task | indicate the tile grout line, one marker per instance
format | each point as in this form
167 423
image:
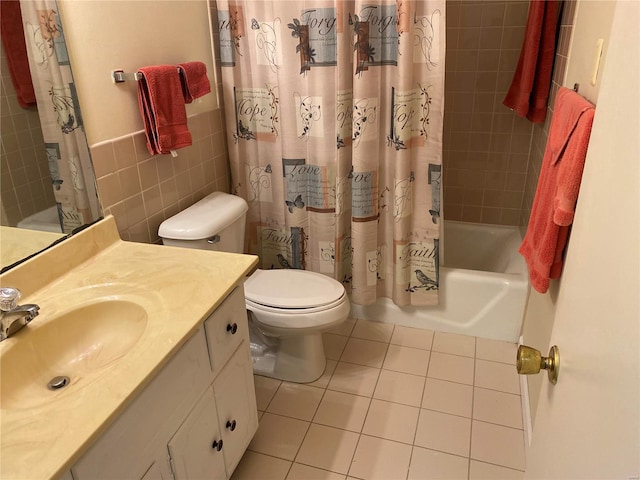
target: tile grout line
473 396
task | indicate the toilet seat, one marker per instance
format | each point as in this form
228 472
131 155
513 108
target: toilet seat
293 289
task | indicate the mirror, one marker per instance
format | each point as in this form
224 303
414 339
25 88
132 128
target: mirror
28 164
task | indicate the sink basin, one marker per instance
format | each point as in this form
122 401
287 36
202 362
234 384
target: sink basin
78 344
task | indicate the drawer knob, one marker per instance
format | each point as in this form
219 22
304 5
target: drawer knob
231 425
232 327
217 444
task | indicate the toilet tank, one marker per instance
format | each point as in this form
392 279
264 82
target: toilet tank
216 222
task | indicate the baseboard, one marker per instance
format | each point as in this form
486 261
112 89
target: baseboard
526 406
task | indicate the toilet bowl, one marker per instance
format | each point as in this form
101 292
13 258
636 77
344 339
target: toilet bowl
287 309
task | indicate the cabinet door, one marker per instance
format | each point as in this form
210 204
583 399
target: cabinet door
236 401
194 455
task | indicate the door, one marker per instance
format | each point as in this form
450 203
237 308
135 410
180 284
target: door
196 448
588 425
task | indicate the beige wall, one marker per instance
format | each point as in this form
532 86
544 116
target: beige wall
541 308
486 146
139 189
107 35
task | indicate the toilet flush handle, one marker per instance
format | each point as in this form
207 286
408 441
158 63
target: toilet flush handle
213 240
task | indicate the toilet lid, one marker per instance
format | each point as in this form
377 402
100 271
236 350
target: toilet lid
293 289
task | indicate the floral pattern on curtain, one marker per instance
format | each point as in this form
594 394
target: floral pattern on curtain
334 114
65 142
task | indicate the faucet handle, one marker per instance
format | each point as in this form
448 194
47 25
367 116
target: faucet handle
9 298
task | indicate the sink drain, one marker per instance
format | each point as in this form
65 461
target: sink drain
56 383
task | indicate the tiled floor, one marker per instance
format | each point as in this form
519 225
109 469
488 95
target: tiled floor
393 403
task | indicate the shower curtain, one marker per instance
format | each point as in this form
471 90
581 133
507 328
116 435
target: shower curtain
65 142
334 115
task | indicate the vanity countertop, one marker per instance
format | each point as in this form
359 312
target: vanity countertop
18 243
177 287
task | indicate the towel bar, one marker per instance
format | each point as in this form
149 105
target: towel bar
119 76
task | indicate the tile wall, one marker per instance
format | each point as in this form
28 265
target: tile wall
141 190
486 146
25 183
541 131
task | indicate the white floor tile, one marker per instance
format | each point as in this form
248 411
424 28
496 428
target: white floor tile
393 403
400 388
345 328
356 379
496 351
342 410
486 471
498 445
377 331
328 448
433 465
305 472
407 360
453 368
379 459
333 345
391 421
497 376
412 337
497 407
279 436
296 400
455 344
265 390
443 432
364 352
256 465
323 381
448 397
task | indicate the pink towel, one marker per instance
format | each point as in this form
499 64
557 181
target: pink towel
195 83
162 109
529 89
558 187
15 49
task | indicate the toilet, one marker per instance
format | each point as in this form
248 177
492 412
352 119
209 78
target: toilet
287 309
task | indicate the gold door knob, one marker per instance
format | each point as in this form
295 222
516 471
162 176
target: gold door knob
529 361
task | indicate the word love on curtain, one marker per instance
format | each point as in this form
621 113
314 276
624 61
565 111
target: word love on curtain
65 142
334 116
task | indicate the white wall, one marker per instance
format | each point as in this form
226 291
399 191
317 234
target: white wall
128 34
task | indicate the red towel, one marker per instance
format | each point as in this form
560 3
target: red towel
529 89
15 49
558 187
162 109
195 83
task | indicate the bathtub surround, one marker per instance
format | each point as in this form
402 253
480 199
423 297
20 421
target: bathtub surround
336 143
25 186
486 146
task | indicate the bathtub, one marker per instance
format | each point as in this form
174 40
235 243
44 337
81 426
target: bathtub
483 286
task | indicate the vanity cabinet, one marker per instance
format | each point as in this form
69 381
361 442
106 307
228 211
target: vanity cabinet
195 418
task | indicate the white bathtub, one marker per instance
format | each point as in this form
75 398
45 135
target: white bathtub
483 286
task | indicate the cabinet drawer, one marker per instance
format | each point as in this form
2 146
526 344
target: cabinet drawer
130 444
226 328
236 402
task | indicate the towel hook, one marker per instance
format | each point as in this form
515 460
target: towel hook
576 86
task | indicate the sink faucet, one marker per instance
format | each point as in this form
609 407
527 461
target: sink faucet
14 316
